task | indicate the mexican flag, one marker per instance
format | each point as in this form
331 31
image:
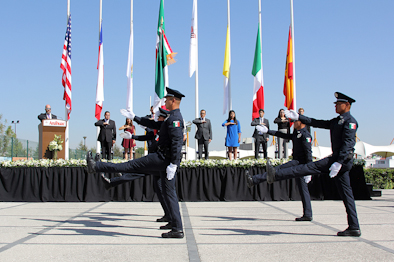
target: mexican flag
257 72
164 57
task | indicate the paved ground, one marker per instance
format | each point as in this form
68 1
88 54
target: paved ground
215 231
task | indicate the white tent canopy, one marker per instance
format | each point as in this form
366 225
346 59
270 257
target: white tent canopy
364 149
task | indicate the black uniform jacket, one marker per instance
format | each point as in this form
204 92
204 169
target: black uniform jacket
302 144
342 131
171 134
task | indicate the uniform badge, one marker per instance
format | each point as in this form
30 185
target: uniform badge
299 135
352 126
340 122
176 124
308 139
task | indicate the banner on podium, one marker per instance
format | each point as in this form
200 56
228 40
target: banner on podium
54 122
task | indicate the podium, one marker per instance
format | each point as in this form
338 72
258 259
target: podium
47 131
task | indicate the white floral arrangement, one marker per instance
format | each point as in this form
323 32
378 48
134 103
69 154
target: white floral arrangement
210 163
220 163
56 143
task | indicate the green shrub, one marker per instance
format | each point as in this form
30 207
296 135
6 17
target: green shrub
380 178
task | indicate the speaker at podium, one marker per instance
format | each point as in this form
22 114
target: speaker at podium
47 131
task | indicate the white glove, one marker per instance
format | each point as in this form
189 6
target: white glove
127 113
292 114
307 179
262 129
171 169
126 135
334 169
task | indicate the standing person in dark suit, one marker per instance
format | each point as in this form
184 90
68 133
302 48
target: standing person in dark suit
164 162
343 138
47 114
107 135
203 133
301 111
302 154
260 138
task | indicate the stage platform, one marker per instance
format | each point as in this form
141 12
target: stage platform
74 184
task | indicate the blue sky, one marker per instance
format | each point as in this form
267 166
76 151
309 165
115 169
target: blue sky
341 46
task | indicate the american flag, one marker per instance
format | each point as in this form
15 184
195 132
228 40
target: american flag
65 65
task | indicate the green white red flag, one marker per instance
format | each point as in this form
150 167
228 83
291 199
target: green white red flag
164 57
257 72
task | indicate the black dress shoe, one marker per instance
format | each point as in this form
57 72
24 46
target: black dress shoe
249 179
168 226
106 181
350 233
163 219
118 174
173 234
304 218
270 173
90 163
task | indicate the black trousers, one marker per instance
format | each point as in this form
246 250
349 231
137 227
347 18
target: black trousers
106 150
154 164
257 141
305 196
125 178
342 181
203 143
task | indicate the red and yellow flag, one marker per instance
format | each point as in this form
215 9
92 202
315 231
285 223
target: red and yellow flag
288 88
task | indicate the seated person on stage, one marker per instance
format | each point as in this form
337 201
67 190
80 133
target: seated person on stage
343 139
47 114
302 154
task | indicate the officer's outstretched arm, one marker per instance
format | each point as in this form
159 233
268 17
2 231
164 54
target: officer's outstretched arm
148 122
279 134
325 124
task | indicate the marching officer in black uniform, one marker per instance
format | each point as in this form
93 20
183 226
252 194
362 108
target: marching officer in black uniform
152 140
343 138
167 158
302 154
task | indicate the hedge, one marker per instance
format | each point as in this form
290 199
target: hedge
380 178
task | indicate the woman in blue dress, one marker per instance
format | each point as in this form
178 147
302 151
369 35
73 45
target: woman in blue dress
233 137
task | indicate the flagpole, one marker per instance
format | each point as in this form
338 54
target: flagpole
229 71
98 128
294 64
196 74
66 138
132 39
261 41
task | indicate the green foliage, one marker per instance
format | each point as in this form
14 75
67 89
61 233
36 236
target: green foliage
139 152
118 153
82 147
380 178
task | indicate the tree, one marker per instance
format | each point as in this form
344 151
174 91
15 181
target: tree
139 152
82 147
117 151
6 142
